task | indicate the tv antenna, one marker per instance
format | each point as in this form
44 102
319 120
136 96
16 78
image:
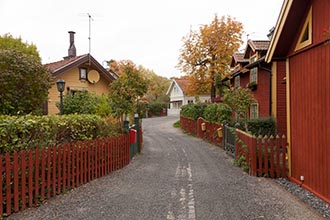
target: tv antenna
90 19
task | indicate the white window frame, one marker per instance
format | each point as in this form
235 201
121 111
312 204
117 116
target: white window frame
254 75
237 81
82 73
254 111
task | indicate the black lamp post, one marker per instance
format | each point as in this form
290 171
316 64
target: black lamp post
60 87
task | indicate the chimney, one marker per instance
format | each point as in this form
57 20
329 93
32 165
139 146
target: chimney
72 48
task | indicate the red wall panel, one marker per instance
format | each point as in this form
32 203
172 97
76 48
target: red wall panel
281 99
310 118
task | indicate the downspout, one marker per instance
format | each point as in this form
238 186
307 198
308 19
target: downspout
270 87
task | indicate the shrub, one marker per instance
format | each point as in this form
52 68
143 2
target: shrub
188 111
193 111
177 124
262 126
155 108
80 102
28 132
199 110
217 113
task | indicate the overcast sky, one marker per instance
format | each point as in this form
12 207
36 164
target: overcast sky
148 32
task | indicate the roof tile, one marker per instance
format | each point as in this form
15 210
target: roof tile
59 64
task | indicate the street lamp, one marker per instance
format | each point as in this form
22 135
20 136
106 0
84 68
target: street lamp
60 87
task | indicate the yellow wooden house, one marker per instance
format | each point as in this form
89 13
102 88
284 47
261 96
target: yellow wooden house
79 73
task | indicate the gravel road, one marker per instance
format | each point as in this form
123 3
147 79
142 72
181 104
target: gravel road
176 177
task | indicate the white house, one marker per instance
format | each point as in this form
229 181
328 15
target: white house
177 92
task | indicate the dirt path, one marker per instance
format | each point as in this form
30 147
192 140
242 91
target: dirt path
176 177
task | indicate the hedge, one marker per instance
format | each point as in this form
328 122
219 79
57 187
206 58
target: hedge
193 111
262 126
27 132
217 113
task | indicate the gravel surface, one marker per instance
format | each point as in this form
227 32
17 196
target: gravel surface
306 196
177 177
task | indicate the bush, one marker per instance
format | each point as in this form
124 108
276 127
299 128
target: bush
177 124
28 132
217 113
156 108
80 102
187 111
199 110
193 111
262 126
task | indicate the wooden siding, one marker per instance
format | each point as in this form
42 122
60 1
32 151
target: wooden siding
261 94
321 19
310 107
280 98
71 79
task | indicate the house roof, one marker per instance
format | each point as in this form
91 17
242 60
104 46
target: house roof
55 66
183 84
292 12
238 58
256 45
59 67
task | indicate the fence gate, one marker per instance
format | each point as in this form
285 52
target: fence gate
229 140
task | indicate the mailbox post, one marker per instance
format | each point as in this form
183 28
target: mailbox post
137 128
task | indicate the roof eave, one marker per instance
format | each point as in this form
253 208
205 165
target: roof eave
278 29
80 61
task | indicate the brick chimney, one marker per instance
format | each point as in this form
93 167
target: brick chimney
72 49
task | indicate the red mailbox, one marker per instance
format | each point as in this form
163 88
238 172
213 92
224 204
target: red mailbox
132 136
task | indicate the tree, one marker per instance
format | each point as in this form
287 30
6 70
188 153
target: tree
124 91
157 86
10 43
24 81
206 53
84 102
239 100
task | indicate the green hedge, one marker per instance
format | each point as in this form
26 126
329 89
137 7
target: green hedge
156 108
217 113
262 126
29 131
193 111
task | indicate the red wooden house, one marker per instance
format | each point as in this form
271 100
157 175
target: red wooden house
250 70
299 50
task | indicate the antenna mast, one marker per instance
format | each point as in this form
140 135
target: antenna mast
89 34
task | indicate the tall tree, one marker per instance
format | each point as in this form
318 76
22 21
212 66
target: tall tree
206 53
157 86
125 91
24 81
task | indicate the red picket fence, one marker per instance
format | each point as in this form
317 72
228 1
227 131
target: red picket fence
189 125
266 156
29 177
211 131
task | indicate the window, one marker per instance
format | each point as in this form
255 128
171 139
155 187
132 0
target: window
83 74
254 71
190 101
254 75
175 89
253 58
305 37
237 82
254 111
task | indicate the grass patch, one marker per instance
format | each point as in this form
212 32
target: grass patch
177 124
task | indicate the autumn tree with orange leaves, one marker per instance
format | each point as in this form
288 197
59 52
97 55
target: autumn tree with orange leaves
206 53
